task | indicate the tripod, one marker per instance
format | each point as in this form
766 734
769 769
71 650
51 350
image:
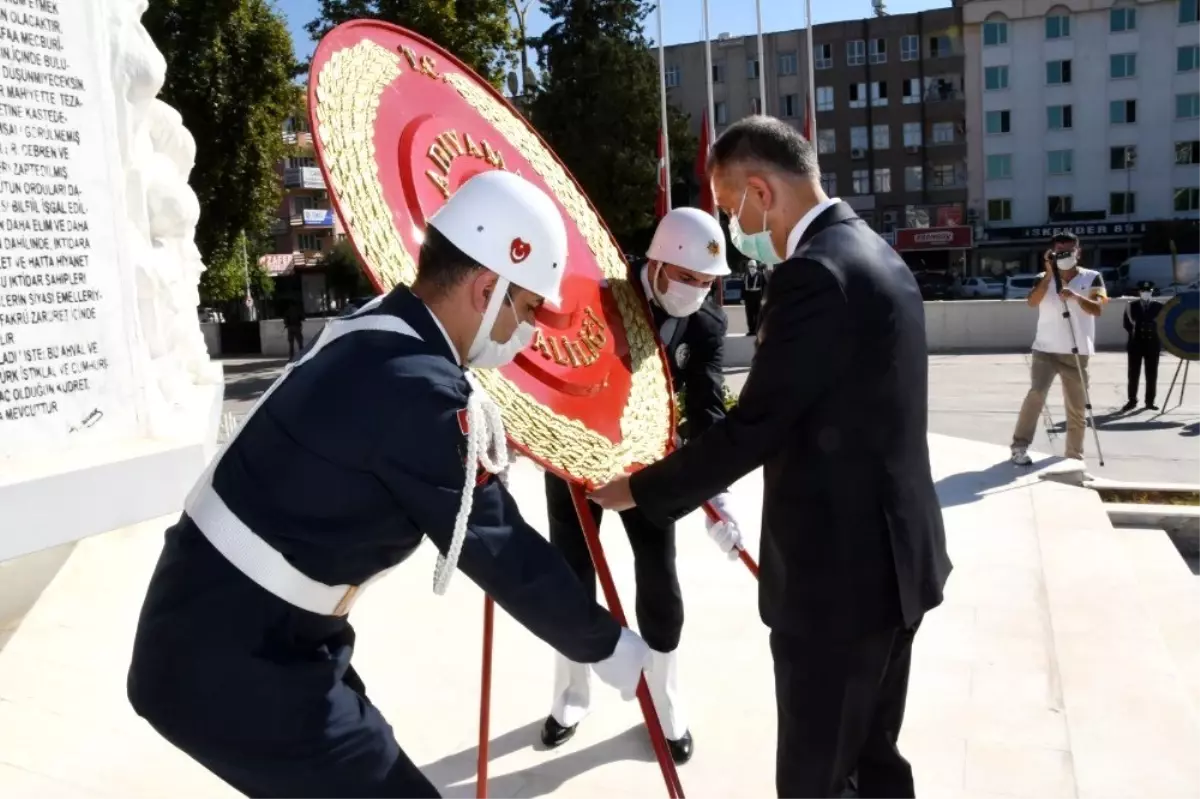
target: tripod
1087 397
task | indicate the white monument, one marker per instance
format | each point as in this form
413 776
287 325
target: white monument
109 404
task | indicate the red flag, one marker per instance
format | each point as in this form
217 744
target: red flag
808 120
707 203
660 203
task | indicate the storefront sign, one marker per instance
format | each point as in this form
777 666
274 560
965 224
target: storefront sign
318 216
949 215
1080 229
275 264
934 238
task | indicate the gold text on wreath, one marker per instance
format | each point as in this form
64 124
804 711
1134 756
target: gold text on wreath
449 145
583 351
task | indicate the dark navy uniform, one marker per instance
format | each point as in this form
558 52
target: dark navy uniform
695 347
752 294
342 470
1142 346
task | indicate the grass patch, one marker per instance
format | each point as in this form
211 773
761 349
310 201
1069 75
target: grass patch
1127 496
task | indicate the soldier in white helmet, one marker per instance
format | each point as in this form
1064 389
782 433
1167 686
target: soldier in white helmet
686 257
377 437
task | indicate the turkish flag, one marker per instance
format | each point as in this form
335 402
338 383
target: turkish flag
707 203
660 202
808 120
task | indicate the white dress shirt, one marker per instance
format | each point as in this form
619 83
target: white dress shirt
793 239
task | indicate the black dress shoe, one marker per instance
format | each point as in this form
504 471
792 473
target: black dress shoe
681 750
1150 406
555 734
1129 406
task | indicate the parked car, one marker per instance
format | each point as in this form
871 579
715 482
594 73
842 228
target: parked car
1018 287
980 288
211 316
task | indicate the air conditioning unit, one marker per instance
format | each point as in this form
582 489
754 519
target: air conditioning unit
857 153
912 148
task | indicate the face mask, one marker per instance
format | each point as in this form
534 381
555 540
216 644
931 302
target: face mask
679 299
1067 263
488 354
1145 296
756 246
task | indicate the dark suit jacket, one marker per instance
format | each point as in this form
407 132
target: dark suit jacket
834 409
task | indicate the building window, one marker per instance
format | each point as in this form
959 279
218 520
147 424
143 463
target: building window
945 176
787 61
1058 26
309 242
942 133
1122 112
672 77
718 70
910 91
995 78
858 138
856 52
752 68
997 122
829 183
1058 117
940 47
788 104
858 95
861 181
883 181
1058 72
995 33
1122 65
299 162
1059 204
914 178
1121 203
1122 158
1187 152
1060 162
1187 199
1187 58
823 58
1187 11
720 113
756 105
910 48
912 134
999 210
878 51
879 94
826 141
1122 19
881 137
1187 106
999 167
824 98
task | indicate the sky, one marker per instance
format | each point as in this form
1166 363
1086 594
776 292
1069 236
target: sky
682 19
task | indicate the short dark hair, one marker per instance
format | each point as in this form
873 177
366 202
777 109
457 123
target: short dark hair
441 265
767 141
1065 237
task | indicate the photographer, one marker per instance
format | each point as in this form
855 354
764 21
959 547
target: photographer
1064 288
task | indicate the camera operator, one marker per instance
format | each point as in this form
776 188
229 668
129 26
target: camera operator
1064 286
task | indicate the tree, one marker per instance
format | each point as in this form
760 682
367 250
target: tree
223 283
229 68
598 107
477 32
343 274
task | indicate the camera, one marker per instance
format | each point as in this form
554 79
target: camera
1061 255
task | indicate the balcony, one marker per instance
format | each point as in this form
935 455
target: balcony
306 258
313 218
301 139
303 177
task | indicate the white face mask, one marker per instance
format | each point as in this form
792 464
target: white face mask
1145 296
679 299
488 354
1067 263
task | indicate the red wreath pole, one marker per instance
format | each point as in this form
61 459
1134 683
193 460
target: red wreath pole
743 554
657 739
485 698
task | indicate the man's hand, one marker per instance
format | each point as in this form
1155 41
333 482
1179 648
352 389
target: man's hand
1069 294
614 496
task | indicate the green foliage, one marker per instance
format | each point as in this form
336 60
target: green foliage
343 274
223 282
229 74
598 108
731 400
477 32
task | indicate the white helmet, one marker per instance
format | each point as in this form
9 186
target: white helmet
509 226
692 239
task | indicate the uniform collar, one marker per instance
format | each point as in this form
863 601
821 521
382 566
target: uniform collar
445 335
793 240
403 303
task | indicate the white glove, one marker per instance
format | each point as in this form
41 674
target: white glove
623 668
725 532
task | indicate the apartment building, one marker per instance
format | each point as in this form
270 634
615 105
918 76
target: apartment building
1081 115
890 116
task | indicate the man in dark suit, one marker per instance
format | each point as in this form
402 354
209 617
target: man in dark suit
752 292
1143 345
834 409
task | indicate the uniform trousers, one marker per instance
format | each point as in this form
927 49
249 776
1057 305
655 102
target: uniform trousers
659 604
1137 356
840 704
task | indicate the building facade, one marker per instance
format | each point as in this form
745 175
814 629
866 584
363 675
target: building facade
1081 115
890 116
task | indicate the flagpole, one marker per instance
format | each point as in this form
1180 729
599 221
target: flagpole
708 81
662 91
762 62
812 60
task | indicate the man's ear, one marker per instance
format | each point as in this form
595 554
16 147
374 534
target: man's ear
482 286
761 189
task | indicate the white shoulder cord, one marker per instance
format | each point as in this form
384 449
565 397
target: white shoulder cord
486 446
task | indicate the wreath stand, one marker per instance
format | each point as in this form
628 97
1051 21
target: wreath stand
591 536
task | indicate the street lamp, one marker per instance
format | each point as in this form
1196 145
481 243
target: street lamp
1130 161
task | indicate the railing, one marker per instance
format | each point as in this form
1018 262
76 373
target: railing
299 138
303 177
307 258
313 217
